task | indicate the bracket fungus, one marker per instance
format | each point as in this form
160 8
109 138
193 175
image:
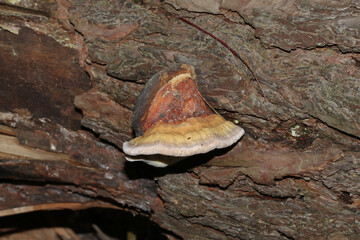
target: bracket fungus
173 121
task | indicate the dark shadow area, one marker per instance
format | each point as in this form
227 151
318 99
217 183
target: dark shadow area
94 223
96 135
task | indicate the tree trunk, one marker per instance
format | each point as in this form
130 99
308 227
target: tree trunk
70 74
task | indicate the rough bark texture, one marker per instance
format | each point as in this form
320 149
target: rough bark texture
70 74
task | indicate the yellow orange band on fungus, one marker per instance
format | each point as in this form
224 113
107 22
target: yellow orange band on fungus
193 136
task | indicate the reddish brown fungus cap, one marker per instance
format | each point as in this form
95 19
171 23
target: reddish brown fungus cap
172 119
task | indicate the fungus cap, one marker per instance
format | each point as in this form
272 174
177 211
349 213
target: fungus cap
171 118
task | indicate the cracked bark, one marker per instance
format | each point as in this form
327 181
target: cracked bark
72 71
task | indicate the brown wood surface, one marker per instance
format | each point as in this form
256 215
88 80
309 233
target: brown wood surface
70 74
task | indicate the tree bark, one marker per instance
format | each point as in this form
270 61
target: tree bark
70 74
